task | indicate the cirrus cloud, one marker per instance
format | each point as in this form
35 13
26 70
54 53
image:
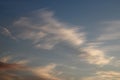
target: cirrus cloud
47 32
44 31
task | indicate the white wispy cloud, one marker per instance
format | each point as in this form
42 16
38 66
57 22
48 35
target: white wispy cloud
46 71
110 32
104 75
96 56
47 32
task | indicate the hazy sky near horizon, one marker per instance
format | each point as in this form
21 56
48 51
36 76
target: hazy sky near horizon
60 39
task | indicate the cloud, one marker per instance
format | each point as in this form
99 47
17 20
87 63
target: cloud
5 64
8 66
94 55
5 59
23 62
115 63
46 32
67 66
97 55
8 59
46 71
6 32
111 32
21 71
104 75
9 71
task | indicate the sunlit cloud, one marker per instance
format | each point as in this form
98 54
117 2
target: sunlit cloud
46 71
104 75
9 66
5 59
23 62
96 56
45 32
109 33
5 64
73 41
10 71
48 32
99 55
8 59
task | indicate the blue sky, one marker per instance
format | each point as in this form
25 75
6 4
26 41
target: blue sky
60 40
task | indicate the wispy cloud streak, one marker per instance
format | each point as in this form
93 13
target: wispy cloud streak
96 56
47 32
6 32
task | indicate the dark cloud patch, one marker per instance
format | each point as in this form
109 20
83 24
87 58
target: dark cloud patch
11 71
8 66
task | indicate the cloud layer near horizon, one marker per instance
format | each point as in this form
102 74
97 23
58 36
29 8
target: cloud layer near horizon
9 71
104 75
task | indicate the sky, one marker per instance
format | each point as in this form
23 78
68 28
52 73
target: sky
59 39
